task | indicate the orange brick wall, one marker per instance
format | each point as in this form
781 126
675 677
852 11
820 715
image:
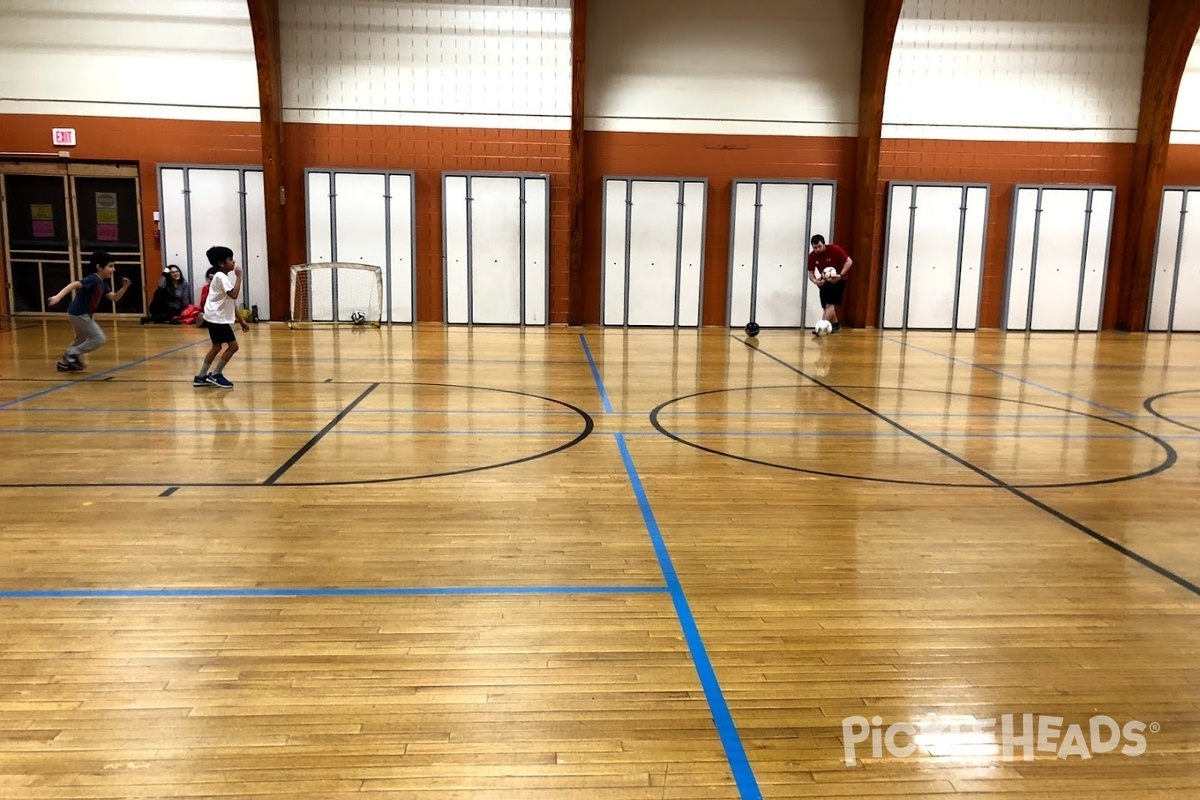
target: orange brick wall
720 159
1004 164
145 142
428 152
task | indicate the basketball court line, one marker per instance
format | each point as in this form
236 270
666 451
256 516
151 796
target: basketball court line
1059 392
998 482
68 383
366 591
519 433
311 443
735 753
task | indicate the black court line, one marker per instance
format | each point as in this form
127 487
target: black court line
311 443
1074 523
170 491
1151 401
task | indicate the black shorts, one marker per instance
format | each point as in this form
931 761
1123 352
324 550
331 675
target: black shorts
221 333
831 293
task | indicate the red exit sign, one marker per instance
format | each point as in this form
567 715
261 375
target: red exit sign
63 137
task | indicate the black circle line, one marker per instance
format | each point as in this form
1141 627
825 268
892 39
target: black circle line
588 426
1149 406
1178 580
1166 463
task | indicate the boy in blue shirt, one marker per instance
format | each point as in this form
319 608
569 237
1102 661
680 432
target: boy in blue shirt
88 335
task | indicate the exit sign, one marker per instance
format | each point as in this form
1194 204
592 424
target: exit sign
63 137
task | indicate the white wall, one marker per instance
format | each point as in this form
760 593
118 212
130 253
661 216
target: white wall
166 59
1017 70
482 63
1185 128
788 67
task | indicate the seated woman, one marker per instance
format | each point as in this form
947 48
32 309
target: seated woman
170 298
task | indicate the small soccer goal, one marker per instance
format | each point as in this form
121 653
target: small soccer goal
336 292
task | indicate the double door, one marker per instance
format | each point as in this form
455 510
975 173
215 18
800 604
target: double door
57 215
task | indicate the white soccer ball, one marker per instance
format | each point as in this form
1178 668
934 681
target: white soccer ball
823 328
358 318
831 272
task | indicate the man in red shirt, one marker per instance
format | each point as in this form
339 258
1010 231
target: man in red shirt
822 258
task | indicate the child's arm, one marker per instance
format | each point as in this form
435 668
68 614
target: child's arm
66 290
237 283
119 293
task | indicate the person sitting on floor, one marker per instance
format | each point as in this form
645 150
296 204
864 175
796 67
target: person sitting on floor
170 298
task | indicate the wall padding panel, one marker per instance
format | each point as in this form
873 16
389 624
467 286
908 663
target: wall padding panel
1175 292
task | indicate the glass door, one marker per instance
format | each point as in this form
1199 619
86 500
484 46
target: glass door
55 217
39 253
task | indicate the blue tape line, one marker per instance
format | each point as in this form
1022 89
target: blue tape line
1011 377
84 594
608 409
743 775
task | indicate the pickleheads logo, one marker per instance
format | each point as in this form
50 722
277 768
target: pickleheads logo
1007 737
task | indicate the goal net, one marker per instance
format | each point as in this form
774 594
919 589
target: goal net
336 292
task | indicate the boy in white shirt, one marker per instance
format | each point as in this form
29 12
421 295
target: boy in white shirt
220 312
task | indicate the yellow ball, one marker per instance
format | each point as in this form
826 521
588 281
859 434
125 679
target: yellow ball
245 314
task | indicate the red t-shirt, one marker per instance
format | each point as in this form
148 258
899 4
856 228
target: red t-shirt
831 256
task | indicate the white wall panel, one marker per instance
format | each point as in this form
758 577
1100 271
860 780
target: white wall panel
615 253
900 213
789 212
254 258
653 251
974 242
170 59
173 224
1021 257
360 234
1017 70
215 206
934 255
1175 293
1060 245
653 244
786 67
496 250
691 254
503 219
454 248
1095 263
743 255
400 283
537 252
320 243
934 265
427 62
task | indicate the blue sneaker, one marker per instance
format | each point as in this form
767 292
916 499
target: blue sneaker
200 380
220 380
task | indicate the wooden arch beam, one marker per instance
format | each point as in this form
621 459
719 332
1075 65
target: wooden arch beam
1170 33
575 193
880 18
264 25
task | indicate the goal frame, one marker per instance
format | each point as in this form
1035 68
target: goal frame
332 267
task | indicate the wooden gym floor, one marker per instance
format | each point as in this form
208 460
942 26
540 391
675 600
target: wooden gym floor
446 563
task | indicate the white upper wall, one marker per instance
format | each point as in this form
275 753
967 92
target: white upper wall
713 66
1186 126
481 63
1017 70
166 59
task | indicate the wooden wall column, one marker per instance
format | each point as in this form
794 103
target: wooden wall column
1171 32
575 315
880 18
264 23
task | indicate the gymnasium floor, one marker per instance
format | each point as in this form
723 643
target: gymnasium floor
447 563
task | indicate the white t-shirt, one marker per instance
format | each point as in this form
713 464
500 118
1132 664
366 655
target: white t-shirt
220 308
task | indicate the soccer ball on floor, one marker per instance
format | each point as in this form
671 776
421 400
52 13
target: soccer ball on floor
358 318
823 328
